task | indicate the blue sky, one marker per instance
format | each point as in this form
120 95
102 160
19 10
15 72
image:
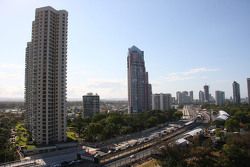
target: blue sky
186 44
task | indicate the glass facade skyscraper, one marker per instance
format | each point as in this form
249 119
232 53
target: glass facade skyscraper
139 89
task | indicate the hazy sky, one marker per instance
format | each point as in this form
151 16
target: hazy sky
186 44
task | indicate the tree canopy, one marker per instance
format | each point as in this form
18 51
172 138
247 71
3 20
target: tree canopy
105 126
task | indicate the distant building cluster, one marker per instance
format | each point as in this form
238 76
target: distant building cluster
184 97
140 97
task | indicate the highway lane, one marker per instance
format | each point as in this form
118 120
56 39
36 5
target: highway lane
147 152
189 111
121 153
144 153
111 159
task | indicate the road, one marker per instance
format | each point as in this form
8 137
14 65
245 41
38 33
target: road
142 154
189 112
116 157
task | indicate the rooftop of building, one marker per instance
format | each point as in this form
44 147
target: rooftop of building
51 9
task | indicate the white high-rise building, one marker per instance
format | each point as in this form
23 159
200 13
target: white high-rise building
220 98
156 102
161 101
201 97
45 76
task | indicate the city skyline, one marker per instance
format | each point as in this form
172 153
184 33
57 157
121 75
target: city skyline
215 38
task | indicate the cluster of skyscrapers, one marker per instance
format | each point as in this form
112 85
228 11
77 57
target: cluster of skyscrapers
45 81
140 96
205 97
184 97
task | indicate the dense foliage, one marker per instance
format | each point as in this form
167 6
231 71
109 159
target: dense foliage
239 116
7 150
235 152
232 149
106 126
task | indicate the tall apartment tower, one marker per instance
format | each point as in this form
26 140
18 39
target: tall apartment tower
191 95
236 93
156 102
28 87
206 94
179 98
219 98
45 76
161 101
201 97
248 88
91 105
139 90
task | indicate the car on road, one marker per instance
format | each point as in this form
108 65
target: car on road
132 156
